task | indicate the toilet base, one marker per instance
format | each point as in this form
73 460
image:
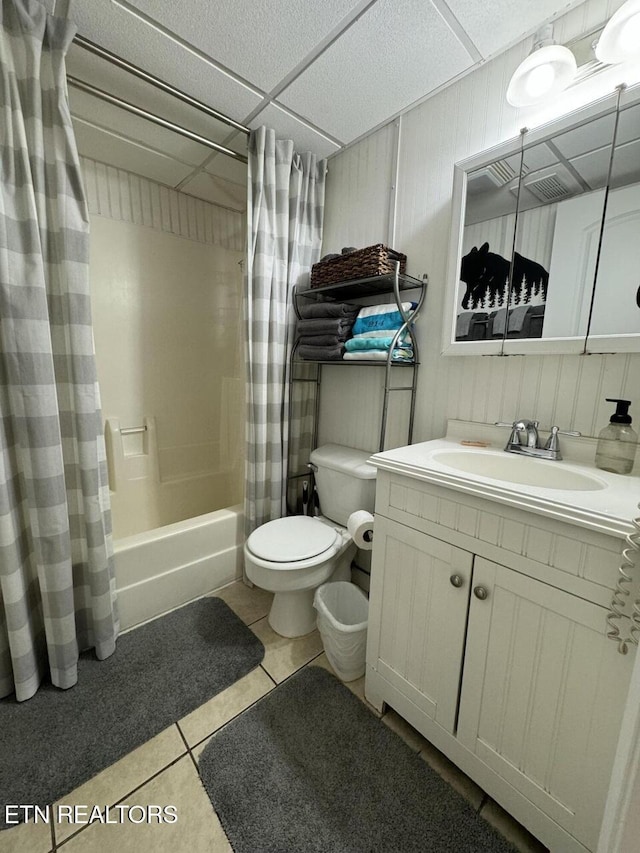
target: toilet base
292 614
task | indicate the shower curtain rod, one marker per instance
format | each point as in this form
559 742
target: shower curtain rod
135 70
163 122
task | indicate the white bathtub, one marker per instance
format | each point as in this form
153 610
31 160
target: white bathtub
166 567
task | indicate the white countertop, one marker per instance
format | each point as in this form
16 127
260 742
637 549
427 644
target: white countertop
608 509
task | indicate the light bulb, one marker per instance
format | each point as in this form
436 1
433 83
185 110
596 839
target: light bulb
620 39
630 35
539 80
546 71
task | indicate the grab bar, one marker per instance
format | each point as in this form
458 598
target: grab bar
132 430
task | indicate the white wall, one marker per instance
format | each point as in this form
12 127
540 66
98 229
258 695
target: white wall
166 294
467 117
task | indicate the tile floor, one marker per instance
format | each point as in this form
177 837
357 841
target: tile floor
164 770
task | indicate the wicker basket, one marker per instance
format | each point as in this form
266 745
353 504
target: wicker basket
374 260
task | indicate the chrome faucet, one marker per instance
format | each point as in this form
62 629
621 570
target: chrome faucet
531 444
530 428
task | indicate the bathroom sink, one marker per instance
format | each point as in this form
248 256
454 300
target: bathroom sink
518 470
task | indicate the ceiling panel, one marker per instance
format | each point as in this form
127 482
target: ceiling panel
287 126
216 190
393 55
238 142
593 167
113 119
228 168
104 75
261 41
628 125
494 25
354 73
108 148
626 164
111 27
589 137
538 157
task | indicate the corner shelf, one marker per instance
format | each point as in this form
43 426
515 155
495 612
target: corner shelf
360 288
355 290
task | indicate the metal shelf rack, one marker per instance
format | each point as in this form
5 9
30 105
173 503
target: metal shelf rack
354 291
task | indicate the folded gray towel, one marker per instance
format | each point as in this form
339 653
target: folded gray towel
516 318
327 309
329 326
463 321
333 353
324 340
499 321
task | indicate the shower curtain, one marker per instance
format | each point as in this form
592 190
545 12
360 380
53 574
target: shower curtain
284 223
57 587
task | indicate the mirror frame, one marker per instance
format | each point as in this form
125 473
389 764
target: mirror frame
523 346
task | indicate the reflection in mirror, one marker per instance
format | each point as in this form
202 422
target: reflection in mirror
616 304
487 245
560 210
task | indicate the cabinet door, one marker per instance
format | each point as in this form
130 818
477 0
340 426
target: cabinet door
418 617
543 694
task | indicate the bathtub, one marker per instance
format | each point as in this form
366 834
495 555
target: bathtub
166 567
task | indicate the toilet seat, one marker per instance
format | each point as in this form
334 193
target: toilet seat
293 539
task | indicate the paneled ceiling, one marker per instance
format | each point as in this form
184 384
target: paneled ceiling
322 73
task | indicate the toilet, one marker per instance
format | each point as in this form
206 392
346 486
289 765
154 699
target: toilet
293 556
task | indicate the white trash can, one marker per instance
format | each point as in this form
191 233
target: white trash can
343 612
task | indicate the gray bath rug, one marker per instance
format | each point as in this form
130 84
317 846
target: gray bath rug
310 768
159 672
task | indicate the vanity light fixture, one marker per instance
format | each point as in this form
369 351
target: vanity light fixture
547 70
620 39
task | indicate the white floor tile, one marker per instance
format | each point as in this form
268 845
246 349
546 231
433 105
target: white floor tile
224 706
283 656
249 603
116 781
26 838
197 829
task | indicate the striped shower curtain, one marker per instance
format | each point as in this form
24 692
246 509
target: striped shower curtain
57 589
285 213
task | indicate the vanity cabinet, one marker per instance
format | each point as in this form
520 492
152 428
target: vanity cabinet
487 632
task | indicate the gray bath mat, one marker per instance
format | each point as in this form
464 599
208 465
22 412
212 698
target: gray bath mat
159 672
310 768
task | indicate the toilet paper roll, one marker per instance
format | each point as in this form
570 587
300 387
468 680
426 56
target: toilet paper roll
360 526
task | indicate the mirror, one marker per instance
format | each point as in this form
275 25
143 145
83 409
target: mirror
616 303
560 208
487 243
544 202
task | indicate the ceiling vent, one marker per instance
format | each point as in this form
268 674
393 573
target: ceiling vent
549 188
497 174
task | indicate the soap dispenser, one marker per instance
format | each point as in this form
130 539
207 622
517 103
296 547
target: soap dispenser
617 442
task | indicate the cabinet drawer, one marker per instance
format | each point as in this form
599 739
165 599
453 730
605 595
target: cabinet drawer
543 694
579 561
418 617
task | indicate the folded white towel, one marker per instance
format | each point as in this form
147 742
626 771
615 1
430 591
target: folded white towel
379 355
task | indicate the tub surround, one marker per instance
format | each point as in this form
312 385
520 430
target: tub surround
173 278
164 568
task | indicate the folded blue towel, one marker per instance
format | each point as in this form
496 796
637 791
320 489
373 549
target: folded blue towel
365 343
377 317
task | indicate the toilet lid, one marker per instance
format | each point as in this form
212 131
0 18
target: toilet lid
287 540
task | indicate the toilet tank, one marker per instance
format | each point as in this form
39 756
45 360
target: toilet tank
345 481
